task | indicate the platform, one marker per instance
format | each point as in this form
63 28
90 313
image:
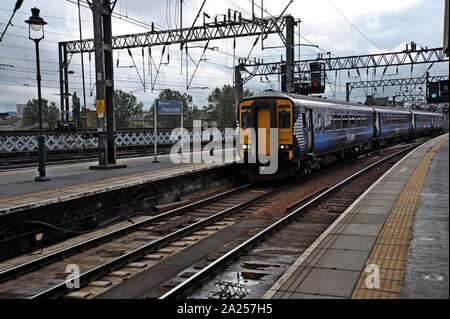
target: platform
391 243
19 191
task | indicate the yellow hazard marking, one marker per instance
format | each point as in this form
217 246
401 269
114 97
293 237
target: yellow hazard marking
100 106
391 248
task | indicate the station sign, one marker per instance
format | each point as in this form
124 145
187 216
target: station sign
169 107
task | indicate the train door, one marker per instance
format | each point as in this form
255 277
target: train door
377 125
308 127
263 117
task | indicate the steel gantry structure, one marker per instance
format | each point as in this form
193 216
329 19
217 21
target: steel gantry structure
103 44
357 62
391 82
369 61
231 27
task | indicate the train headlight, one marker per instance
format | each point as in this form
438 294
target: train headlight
245 147
282 147
285 147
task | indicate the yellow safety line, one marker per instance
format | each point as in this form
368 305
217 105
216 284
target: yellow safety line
391 248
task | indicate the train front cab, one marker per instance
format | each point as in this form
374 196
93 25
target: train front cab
259 115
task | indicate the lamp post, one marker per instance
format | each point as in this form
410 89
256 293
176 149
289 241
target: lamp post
36 33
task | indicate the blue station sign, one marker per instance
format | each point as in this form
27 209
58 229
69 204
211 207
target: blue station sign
169 107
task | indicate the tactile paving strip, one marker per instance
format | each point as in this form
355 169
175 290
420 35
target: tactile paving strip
391 247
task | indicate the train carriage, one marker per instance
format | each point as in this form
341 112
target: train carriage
392 124
422 122
309 130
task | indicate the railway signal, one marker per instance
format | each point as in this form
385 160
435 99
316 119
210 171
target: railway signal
437 92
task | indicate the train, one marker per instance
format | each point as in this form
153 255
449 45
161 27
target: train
303 133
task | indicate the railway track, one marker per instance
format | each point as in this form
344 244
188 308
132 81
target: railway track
107 260
235 274
109 252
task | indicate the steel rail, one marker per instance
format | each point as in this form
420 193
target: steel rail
69 251
239 250
61 289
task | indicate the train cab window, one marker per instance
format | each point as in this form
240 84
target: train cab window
284 119
246 120
327 123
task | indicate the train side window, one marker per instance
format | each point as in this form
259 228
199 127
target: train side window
337 122
352 121
319 122
246 120
284 119
345 121
327 123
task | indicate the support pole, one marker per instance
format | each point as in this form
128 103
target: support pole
347 92
104 70
109 83
82 71
155 132
238 89
290 53
61 81
66 85
41 137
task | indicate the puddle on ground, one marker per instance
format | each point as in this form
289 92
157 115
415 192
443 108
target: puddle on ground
247 279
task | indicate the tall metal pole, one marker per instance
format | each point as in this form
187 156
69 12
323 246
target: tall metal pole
155 132
97 8
238 89
82 68
109 82
66 86
181 35
104 70
61 80
41 138
290 53
347 92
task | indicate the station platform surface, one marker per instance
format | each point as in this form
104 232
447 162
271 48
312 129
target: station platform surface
391 243
19 191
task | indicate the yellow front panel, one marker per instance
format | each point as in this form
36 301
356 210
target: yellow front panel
264 123
285 134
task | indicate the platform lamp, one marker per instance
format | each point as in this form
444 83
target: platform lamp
36 33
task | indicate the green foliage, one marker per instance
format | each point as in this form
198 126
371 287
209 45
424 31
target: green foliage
50 113
221 105
126 107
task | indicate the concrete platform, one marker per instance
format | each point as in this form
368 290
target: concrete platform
19 191
391 243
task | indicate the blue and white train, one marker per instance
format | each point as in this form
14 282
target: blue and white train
313 130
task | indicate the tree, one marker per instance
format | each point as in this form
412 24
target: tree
76 111
221 105
125 107
50 113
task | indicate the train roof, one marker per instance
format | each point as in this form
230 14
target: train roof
334 103
426 113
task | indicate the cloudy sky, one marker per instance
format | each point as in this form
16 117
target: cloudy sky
343 27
